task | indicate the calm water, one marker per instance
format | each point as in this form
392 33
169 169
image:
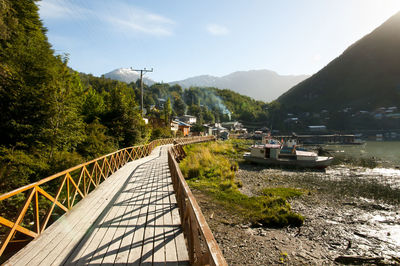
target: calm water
386 152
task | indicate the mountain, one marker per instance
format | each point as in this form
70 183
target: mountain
127 75
366 76
263 85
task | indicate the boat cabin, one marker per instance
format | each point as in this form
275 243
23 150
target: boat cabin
275 151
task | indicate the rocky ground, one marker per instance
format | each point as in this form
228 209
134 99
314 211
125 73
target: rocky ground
336 227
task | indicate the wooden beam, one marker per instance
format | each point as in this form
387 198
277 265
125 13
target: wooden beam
21 215
55 201
48 196
19 228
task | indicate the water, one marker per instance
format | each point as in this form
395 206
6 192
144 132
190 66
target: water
386 152
383 225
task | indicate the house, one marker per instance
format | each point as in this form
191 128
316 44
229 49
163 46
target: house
232 126
189 119
208 130
217 129
174 126
184 128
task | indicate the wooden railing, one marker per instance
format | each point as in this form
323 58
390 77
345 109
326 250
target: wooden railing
202 246
44 201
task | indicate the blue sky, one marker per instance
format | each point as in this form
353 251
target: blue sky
184 38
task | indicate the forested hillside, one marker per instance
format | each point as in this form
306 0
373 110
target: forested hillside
50 118
366 76
53 117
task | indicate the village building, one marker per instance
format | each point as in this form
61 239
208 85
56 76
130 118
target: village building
232 126
174 127
189 119
184 128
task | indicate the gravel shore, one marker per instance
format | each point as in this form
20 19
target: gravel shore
335 225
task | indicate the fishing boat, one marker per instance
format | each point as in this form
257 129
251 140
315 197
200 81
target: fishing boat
277 154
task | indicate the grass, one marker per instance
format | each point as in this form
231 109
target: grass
285 193
210 167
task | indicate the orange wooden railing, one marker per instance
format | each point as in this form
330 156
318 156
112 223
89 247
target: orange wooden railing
46 200
202 246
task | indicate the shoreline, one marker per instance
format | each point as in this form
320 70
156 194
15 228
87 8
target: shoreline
335 225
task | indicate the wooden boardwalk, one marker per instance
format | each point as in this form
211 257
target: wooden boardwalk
131 218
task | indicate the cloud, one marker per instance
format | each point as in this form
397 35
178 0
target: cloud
60 10
217 30
115 16
137 20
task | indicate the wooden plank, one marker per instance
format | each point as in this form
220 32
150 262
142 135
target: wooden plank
55 229
132 166
75 226
171 257
92 246
135 252
148 238
124 219
107 231
81 248
131 227
159 241
58 261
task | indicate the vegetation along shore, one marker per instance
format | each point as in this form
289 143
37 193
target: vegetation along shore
348 213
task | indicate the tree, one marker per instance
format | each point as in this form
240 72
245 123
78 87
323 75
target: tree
197 128
122 117
179 105
167 111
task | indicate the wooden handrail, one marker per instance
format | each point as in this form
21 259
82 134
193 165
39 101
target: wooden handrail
202 246
77 181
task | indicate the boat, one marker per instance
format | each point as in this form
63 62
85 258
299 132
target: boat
329 139
276 154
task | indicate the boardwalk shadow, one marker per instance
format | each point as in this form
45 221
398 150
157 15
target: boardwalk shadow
141 202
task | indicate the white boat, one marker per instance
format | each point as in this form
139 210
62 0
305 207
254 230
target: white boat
276 154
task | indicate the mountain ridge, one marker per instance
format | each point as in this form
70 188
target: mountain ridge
365 76
262 84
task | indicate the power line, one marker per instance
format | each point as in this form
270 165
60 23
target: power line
141 82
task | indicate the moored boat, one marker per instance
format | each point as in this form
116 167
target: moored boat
278 155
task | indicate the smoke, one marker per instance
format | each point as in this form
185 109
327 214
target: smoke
222 107
213 101
203 97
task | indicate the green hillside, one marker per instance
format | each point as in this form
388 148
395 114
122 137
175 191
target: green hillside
366 76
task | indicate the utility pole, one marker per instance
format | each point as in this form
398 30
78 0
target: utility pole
141 83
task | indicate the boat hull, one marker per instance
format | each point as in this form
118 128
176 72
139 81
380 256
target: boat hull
320 163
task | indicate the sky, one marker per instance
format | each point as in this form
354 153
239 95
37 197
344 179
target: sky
185 38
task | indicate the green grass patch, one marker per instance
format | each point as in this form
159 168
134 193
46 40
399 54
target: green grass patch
283 192
210 167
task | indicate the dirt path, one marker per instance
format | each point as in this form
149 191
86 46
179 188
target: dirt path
334 225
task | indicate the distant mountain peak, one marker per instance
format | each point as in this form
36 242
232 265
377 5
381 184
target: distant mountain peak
127 75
